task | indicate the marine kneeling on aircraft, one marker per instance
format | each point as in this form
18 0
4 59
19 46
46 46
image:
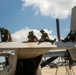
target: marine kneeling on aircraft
5 35
71 37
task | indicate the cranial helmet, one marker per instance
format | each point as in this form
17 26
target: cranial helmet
41 30
72 32
1 29
31 33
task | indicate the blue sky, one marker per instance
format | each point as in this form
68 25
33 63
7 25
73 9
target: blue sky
16 15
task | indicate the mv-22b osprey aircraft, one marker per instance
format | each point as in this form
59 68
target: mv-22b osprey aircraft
27 56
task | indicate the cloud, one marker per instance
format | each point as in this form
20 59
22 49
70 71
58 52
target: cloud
22 34
53 8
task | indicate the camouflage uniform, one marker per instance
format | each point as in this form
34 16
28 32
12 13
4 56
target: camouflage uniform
71 37
45 37
5 35
32 37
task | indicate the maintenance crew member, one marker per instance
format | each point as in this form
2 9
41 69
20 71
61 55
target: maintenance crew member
32 37
45 37
5 35
71 37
